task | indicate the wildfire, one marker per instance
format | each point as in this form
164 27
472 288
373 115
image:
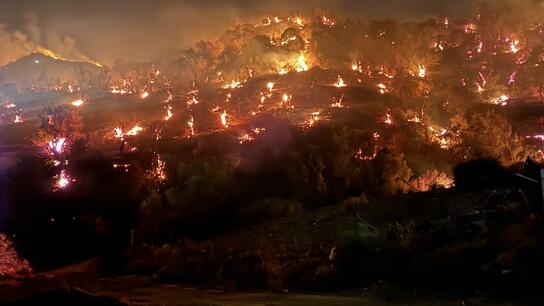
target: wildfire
270 86
502 100
63 180
224 117
134 130
337 103
382 88
361 155
120 134
314 118
301 65
78 102
159 170
357 67
250 136
144 95
191 125
514 46
328 21
388 118
285 100
124 167
168 114
232 85
57 145
18 119
283 71
339 82
422 71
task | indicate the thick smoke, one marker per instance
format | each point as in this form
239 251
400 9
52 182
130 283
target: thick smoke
142 30
139 30
32 38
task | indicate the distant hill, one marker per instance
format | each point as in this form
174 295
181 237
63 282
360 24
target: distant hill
39 72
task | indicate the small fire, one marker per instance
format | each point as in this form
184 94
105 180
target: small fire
159 170
124 167
382 88
502 100
337 103
78 102
144 95
57 145
135 130
232 85
63 180
388 118
224 117
18 119
314 118
270 86
298 21
328 21
360 154
250 136
285 100
191 125
168 114
118 133
514 46
301 65
422 71
340 82
357 67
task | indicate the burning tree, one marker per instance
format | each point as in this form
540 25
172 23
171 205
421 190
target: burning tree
61 132
10 263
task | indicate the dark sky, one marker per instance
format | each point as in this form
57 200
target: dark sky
137 29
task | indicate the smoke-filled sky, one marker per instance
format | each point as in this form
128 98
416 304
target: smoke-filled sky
136 30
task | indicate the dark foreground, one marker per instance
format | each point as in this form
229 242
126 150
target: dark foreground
79 289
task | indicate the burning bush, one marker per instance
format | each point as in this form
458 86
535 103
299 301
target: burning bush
11 264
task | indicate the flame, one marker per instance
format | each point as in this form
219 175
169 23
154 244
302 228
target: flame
18 119
224 117
360 154
270 86
168 114
337 103
382 88
357 67
283 71
340 82
159 170
501 100
191 125
514 46
63 180
57 145
134 130
301 65
232 85
250 136
144 95
78 102
422 71
388 118
328 21
314 118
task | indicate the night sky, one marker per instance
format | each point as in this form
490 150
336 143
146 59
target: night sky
136 30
